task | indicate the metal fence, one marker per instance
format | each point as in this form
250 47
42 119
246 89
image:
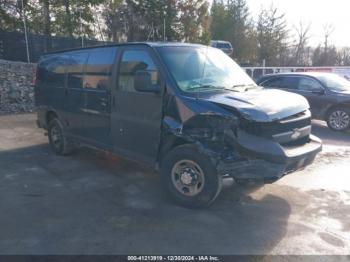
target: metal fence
13 45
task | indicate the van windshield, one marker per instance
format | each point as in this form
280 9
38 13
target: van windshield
201 69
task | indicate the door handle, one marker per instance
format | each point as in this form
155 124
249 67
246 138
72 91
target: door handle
103 101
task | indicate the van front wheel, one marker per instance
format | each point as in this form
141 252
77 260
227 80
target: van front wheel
190 177
57 139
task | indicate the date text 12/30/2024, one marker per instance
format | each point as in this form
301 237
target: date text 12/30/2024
173 258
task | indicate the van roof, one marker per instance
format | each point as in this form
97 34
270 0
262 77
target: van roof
151 44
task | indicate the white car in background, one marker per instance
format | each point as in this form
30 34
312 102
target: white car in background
225 46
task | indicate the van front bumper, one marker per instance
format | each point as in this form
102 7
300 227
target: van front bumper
266 160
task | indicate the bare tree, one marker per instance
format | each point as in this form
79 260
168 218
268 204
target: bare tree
303 36
327 54
328 30
328 51
343 57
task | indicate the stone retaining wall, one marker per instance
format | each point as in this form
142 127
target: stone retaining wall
16 87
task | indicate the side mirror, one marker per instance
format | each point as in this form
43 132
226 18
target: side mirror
143 82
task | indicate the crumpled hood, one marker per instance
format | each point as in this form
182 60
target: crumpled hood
262 105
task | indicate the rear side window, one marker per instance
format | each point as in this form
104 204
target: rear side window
134 61
75 69
309 85
223 45
282 82
98 70
290 82
274 82
51 71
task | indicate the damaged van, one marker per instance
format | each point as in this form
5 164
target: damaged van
188 110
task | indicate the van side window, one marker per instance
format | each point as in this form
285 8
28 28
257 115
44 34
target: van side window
132 62
51 71
75 69
98 70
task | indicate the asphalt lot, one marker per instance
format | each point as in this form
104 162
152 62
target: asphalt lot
95 203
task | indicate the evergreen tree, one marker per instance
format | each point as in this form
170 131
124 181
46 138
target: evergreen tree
74 18
218 14
10 15
132 20
194 17
272 36
230 21
238 27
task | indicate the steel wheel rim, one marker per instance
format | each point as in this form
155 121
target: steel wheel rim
187 177
339 120
56 136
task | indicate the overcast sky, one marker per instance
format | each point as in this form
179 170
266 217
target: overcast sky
316 12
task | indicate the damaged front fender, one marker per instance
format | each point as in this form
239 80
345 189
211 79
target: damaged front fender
213 135
191 121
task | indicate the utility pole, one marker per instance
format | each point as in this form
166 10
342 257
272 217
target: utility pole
164 38
264 65
25 31
164 29
81 26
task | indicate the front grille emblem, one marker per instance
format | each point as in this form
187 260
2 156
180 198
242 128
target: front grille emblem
296 133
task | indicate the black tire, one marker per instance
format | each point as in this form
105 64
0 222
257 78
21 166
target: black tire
343 122
208 188
57 139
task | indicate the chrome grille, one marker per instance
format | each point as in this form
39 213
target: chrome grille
283 131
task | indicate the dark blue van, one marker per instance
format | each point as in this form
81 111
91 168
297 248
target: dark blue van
186 109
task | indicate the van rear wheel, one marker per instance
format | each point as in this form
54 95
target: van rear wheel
190 177
57 139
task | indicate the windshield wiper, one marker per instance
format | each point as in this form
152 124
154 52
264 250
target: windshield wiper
246 87
205 87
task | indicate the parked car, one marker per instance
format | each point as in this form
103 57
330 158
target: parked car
186 109
225 46
328 94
